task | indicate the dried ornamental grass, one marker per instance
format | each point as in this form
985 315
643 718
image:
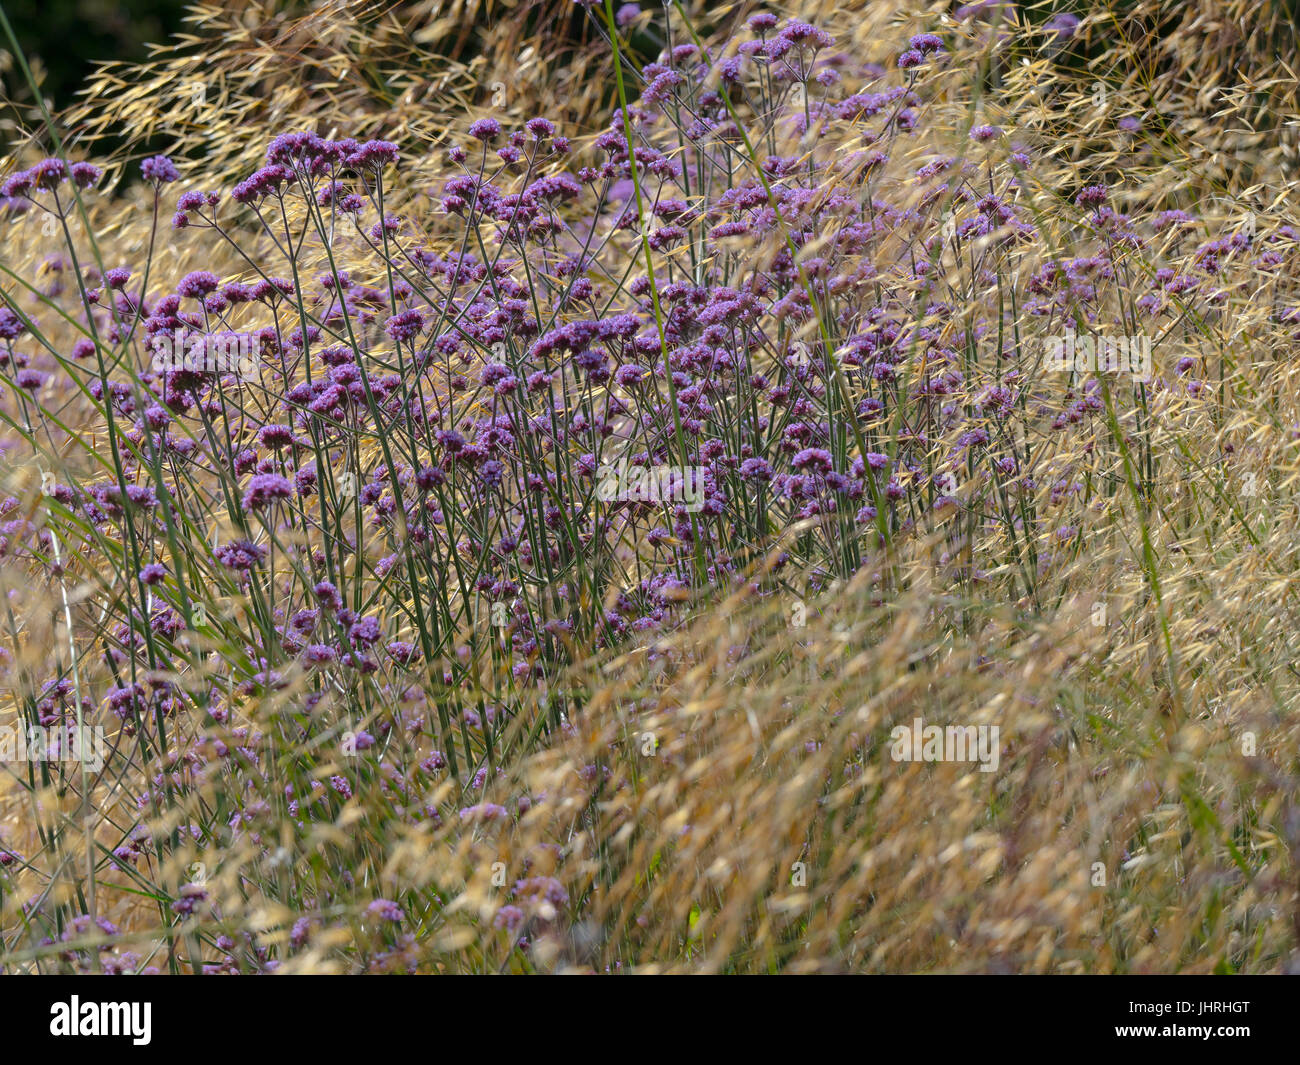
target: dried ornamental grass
561 547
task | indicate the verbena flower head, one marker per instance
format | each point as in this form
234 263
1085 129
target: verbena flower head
86 175
486 130
265 489
49 173
159 170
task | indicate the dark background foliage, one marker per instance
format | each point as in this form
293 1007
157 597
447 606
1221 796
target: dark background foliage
63 38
